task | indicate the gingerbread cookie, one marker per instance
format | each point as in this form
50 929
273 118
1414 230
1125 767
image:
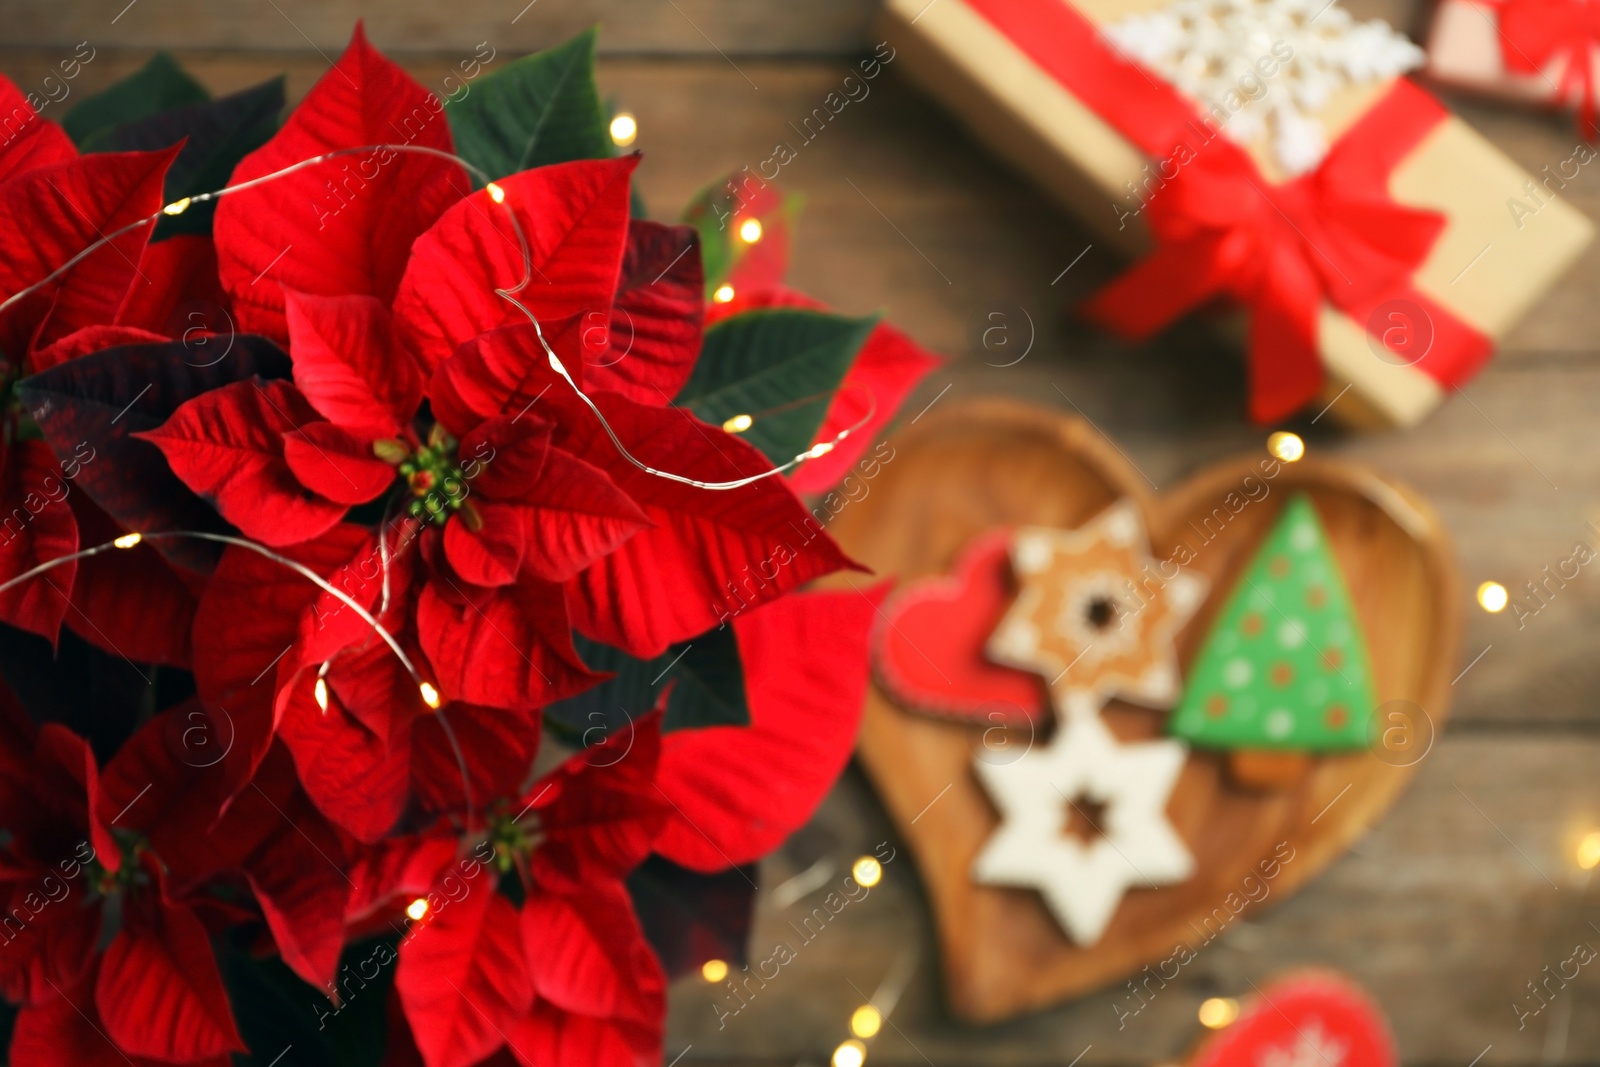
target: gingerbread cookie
1094 614
1083 819
1285 669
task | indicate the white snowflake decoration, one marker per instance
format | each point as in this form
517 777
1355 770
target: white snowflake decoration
1312 1047
1209 49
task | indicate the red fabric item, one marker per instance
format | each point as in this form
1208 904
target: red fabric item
1534 34
1223 228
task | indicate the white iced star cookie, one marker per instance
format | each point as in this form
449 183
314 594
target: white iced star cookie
1095 614
1133 843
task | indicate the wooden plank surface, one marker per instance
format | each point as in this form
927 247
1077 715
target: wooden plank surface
662 27
1444 911
1455 901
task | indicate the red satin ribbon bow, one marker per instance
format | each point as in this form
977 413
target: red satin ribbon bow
1224 229
1333 234
1537 33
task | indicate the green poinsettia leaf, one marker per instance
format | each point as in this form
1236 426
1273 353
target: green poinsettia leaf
709 213
709 686
544 108
1286 665
155 87
706 676
272 1010
216 135
782 367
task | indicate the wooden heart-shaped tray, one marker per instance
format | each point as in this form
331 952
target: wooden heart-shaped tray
975 468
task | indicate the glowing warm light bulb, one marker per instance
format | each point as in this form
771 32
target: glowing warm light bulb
624 128
497 194
128 540
866 1021
1492 597
723 294
1218 1012
430 696
177 207
321 693
714 970
850 1054
1286 446
821 449
867 871
1589 850
417 909
738 424
750 231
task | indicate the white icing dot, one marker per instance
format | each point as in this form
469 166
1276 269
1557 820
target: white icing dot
1032 553
1291 633
1122 526
1236 673
1184 593
1279 724
1303 537
1160 682
1017 640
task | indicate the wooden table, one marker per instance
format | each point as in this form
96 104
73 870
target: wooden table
1453 903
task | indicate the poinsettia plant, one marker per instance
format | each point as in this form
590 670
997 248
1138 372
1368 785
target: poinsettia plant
400 636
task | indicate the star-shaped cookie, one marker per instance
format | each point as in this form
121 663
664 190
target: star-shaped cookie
1095 614
1132 844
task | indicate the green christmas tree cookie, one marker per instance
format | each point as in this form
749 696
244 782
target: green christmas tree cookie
1285 669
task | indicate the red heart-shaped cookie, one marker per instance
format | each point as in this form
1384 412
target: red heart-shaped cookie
928 648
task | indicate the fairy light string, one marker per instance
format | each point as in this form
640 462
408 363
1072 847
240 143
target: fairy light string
497 195
430 695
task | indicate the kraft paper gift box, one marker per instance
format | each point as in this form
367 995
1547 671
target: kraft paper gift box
1266 152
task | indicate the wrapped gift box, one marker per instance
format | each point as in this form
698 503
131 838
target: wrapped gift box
1530 51
1263 151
